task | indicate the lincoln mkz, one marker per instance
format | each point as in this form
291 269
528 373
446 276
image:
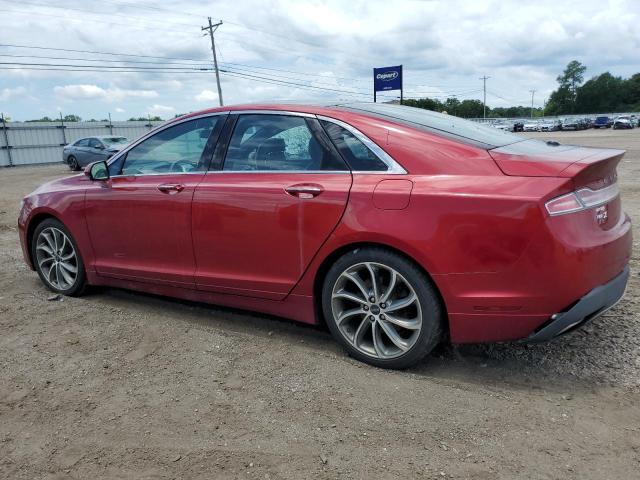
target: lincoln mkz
397 227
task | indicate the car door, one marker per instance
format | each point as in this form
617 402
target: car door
261 215
98 150
139 220
81 152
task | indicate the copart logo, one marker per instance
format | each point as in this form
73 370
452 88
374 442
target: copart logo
387 76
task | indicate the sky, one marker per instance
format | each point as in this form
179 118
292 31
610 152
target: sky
297 51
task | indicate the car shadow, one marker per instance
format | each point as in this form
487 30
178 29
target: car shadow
576 362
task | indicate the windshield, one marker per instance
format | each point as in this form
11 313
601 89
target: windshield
109 141
447 125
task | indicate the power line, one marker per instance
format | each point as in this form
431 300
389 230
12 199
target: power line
45 57
107 67
93 12
97 52
99 69
102 22
285 83
231 64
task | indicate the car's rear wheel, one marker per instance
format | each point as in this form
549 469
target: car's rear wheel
382 308
73 163
56 258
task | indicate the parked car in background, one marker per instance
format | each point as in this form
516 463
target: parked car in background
92 149
518 126
602 122
550 125
530 126
317 213
504 126
588 122
570 124
623 122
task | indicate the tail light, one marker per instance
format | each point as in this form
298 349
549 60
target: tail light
581 200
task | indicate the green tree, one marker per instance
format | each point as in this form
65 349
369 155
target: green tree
72 118
563 100
603 93
451 105
470 109
43 119
426 103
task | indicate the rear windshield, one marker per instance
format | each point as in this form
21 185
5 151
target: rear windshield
443 124
114 140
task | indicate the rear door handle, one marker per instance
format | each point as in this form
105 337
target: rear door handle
170 188
304 190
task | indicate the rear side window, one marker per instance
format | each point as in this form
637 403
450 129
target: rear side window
355 153
270 142
83 142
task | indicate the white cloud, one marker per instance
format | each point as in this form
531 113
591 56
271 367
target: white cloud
445 46
89 91
120 110
207 96
8 93
160 110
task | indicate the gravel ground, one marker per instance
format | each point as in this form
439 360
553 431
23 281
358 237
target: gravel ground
123 385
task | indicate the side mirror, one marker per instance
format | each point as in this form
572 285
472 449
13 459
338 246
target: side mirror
97 171
100 147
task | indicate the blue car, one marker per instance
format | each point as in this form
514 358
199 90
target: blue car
92 149
603 122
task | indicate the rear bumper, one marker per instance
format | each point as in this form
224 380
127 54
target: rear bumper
591 306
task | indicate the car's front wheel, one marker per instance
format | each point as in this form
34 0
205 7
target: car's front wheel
382 308
56 258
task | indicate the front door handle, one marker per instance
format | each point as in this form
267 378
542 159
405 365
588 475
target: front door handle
304 190
170 188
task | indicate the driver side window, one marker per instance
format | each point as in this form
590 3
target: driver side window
177 149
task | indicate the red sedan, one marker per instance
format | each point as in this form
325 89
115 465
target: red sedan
398 227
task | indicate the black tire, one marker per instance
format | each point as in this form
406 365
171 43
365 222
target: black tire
73 163
432 313
80 282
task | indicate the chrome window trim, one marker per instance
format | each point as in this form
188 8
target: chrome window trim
199 172
273 112
347 172
152 132
394 168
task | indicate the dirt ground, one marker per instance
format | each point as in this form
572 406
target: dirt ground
123 385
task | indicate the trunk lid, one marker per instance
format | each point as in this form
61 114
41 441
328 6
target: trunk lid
534 158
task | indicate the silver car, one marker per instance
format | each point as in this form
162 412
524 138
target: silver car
92 149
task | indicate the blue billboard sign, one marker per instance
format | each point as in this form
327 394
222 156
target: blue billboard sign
387 78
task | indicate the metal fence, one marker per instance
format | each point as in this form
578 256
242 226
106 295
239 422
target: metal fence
42 142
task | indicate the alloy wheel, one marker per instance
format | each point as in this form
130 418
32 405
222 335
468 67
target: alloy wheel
376 310
57 259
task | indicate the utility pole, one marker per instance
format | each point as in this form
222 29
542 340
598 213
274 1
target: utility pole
533 92
484 101
212 28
